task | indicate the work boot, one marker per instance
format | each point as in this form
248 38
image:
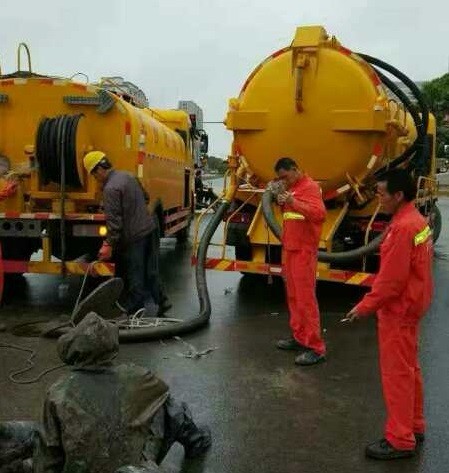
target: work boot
163 308
419 438
383 450
198 443
290 344
309 358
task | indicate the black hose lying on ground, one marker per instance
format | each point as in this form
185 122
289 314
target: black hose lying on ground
323 256
189 325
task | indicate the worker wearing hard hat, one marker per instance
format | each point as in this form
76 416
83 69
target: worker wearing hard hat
304 213
401 295
133 235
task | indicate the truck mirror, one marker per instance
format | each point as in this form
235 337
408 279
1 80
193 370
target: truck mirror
204 146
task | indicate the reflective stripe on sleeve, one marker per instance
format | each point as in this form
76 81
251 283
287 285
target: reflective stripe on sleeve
422 236
293 216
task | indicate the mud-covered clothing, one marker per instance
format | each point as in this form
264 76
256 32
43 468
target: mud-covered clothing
101 417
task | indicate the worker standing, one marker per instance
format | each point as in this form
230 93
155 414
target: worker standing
304 213
132 235
401 295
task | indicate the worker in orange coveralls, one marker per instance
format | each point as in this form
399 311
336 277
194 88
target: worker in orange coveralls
401 295
303 213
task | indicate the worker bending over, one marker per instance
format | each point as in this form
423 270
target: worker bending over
133 235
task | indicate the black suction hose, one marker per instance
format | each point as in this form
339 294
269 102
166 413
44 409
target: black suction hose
323 256
419 144
202 319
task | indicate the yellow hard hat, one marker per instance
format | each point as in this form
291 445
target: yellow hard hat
92 159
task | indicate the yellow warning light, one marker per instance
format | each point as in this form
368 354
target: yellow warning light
103 230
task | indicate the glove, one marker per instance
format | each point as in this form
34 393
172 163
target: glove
105 253
8 190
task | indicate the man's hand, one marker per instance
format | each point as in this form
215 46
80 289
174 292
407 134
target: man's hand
285 198
351 316
105 253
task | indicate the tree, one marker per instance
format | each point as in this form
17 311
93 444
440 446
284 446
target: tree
216 164
436 92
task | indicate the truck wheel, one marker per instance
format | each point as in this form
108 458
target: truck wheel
435 223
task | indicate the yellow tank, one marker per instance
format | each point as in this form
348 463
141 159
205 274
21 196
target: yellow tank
319 103
157 146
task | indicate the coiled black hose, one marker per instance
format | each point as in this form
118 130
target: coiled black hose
53 133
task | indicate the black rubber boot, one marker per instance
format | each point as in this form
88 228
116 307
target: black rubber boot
290 344
383 450
165 307
198 443
179 426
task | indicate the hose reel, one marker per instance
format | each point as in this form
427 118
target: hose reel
55 142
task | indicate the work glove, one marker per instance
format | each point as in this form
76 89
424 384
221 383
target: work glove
105 253
9 189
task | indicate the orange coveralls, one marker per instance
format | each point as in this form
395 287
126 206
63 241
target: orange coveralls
401 295
303 219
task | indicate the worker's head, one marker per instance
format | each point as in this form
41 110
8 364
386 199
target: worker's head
394 189
287 170
97 164
93 342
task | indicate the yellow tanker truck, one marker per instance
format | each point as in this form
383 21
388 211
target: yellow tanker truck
345 121
47 125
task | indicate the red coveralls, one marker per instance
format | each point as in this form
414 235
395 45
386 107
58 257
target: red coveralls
301 232
401 294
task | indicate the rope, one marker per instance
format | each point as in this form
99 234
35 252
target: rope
32 353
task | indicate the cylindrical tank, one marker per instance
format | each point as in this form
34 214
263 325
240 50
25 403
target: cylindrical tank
322 105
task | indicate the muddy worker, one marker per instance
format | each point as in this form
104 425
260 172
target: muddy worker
101 416
400 296
304 213
133 235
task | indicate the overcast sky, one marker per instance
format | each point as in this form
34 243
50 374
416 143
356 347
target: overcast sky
203 50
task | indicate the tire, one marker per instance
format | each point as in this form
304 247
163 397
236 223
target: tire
436 223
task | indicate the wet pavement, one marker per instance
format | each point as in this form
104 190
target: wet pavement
266 414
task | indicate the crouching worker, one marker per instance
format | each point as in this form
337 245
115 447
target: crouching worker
102 416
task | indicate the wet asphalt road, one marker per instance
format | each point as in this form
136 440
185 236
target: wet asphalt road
266 414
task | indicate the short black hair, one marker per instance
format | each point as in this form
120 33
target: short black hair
285 163
104 164
399 180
